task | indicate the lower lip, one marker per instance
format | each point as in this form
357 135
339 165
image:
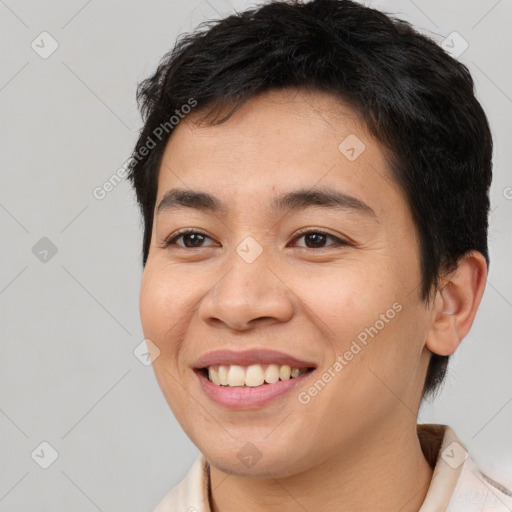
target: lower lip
245 397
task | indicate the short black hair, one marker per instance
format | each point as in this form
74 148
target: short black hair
414 98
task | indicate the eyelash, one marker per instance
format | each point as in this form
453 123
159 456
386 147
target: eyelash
338 241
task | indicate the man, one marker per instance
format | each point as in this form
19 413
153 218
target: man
314 185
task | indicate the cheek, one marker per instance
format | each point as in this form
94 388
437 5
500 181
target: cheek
153 301
370 319
163 312
347 300
163 303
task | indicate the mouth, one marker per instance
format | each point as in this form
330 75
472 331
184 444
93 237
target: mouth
254 375
250 379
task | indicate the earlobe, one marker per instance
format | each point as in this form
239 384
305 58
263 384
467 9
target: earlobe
455 304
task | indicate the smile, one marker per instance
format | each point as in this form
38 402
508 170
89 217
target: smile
252 376
250 379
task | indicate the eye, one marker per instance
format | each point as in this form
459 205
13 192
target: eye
317 239
190 239
313 239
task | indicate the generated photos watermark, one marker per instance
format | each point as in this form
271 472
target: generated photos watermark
158 134
342 360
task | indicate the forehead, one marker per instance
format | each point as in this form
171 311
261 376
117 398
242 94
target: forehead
276 142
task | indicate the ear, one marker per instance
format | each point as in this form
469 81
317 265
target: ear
455 304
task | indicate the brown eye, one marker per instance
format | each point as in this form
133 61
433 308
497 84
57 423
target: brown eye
188 239
318 240
315 239
192 239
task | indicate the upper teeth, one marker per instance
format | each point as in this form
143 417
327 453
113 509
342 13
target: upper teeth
253 375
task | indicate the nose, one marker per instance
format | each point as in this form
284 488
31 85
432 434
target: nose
248 295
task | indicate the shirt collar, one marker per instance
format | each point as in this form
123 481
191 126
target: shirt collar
447 455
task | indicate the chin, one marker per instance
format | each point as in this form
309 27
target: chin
259 459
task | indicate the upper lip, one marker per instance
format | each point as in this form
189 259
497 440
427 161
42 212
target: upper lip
249 357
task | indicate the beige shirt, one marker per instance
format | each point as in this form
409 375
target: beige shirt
457 485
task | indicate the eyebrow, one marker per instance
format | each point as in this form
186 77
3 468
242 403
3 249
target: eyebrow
291 201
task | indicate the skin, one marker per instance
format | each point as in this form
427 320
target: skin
354 445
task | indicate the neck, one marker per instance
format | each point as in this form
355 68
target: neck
387 472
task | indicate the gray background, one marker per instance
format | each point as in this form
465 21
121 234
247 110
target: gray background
70 323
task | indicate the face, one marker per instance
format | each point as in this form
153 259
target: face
288 316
